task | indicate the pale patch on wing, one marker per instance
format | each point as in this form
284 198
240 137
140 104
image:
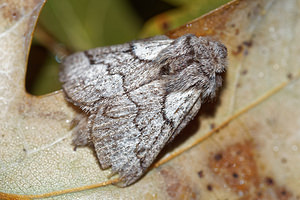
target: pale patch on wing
179 104
150 50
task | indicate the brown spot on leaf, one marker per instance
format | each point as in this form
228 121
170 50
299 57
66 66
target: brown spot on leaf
235 175
201 174
242 48
178 187
283 160
238 50
283 194
163 22
10 12
209 187
269 181
259 194
249 14
165 26
238 160
218 157
248 43
237 167
289 76
244 72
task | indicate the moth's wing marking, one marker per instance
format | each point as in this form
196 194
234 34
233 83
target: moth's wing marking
85 83
135 65
128 142
161 116
149 121
126 128
150 49
181 107
113 131
91 76
88 76
115 136
104 72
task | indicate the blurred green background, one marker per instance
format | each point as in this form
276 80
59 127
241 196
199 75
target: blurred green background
67 26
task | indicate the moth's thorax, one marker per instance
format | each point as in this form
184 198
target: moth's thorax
190 61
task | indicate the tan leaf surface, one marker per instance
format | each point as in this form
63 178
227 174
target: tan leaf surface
244 146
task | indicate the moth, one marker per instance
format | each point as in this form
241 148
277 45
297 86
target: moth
136 97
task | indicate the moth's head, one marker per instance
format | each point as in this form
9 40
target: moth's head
192 61
212 57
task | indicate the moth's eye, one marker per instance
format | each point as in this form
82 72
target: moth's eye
165 70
